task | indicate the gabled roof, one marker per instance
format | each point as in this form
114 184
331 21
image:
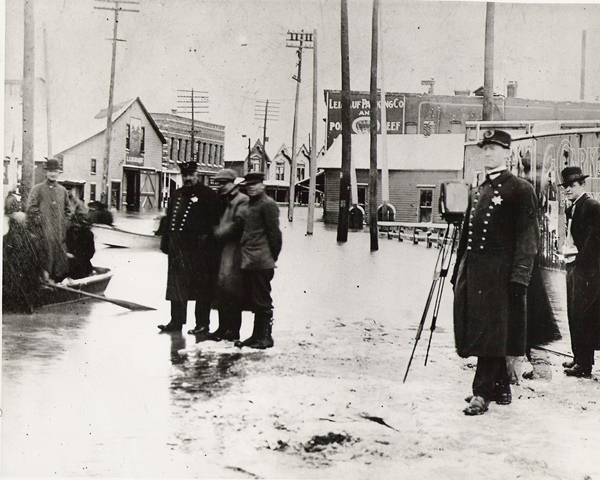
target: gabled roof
405 152
98 124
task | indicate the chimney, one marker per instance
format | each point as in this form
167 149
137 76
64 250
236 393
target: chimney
462 93
511 89
430 83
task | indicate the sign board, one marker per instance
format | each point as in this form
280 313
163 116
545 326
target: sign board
360 111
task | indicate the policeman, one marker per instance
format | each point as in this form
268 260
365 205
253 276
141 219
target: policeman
495 257
192 213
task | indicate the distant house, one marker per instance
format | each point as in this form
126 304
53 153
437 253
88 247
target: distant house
208 149
417 166
134 164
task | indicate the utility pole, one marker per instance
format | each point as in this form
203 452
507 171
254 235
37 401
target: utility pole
191 104
342 230
28 101
373 131
47 91
116 8
488 73
296 40
271 112
312 184
249 165
583 47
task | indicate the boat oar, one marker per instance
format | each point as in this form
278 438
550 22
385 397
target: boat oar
120 303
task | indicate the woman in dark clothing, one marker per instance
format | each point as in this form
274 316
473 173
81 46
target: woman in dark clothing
80 245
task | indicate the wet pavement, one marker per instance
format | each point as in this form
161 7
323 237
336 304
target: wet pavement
92 389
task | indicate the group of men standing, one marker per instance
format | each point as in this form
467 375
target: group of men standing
222 249
495 259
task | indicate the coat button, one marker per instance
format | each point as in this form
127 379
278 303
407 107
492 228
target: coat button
485 221
487 215
491 207
470 240
485 230
469 247
481 248
499 185
483 239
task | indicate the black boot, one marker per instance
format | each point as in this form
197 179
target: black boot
234 324
170 327
262 339
219 333
252 338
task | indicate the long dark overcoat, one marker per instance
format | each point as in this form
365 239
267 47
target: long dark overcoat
49 206
189 241
228 233
584 293
498 245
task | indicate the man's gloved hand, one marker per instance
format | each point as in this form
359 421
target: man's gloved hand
517 289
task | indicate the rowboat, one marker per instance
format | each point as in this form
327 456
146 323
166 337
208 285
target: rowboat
47 295
116 237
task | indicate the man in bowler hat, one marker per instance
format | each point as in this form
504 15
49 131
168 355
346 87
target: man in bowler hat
581 253
48 207
495 257
192 213
261 244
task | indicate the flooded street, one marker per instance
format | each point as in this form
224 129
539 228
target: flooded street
92 389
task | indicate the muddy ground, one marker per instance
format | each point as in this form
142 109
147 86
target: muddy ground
92 389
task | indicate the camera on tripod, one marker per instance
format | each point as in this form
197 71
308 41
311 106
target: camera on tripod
454 199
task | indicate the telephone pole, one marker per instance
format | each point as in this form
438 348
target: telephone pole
191 104
373 131
263 110
116 8
28 101
488 72
299 40
312 185
342 229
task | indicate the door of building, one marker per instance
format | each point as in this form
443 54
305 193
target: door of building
132 190
115 195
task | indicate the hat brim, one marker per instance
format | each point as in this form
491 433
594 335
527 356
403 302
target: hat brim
574 179
495 142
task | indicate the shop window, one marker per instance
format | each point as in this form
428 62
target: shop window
411 128
425 205
455 126
93 166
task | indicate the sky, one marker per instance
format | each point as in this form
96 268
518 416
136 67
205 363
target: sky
236 51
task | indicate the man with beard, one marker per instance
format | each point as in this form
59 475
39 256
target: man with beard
230 291
582 256
48 208
192 213
495 257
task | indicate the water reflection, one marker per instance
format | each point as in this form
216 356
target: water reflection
202 374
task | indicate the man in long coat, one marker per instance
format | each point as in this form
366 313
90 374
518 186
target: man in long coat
582 256
48 207
495 257
228 233
192 213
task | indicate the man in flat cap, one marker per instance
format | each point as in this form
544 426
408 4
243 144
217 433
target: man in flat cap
261 244
495 257
48 207
192 213
581 253
228 233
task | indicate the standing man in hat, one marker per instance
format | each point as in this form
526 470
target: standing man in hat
261 244
581 253
48 206
494 261
228 233
192 213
